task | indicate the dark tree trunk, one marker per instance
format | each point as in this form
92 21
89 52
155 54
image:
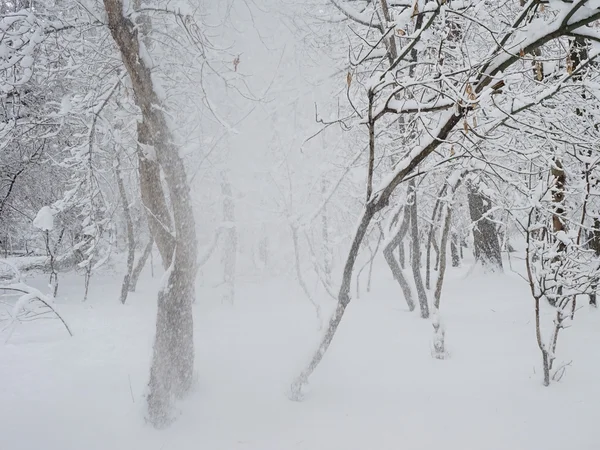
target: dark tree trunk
594 244
397 272
416 249
485 234
454 250
431 237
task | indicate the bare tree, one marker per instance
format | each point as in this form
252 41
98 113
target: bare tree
172 368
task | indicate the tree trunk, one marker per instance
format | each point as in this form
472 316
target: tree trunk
153 199
416 249
558 219
369 264
401 255
594 244
130 235
444 244
439 346
135 275
485 235
431 236
343 301
397 272
173 356
53 272
454 250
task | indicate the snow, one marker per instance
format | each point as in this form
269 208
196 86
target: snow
26 61
377 388
361 17
65 106
44 220
149 151
403 106
22 303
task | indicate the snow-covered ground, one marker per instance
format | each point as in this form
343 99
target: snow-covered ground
378 387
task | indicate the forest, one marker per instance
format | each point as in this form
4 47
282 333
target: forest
299 224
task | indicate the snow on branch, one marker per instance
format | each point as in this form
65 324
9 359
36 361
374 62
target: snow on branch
359 17
30 305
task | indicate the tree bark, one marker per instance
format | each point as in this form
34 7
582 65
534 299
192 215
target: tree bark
444 244
135 275
431 236
171 372
454 250
485 235
154 200
397 272
130 235
416 250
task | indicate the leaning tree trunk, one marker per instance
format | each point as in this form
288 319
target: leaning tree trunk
343 301
397 270
130 236
171 372
485 235
135 275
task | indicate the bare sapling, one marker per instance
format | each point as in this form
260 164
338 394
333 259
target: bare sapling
558 269
453 182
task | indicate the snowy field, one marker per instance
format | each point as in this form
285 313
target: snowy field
378 387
